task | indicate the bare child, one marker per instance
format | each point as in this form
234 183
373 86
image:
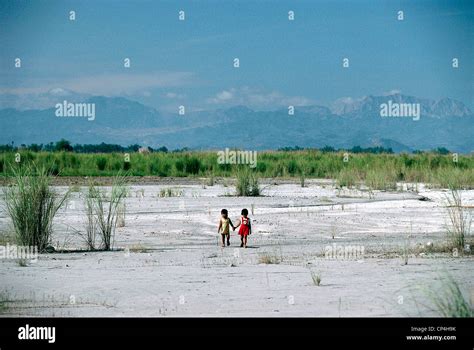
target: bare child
224 224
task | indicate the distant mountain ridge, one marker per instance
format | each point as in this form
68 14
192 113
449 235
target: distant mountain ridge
346 123
444 107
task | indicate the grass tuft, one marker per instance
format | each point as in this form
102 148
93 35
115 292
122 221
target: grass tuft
316 277
267 258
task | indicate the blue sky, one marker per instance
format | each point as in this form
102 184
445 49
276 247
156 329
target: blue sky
190 62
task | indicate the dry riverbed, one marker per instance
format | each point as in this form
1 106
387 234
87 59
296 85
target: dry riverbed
168 261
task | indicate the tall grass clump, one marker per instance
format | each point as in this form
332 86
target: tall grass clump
454 178
103 211
450 301
247 184
91 221
32 205
381 179
459 220
347 177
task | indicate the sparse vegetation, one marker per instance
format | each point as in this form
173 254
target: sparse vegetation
170 192
268 258
32 205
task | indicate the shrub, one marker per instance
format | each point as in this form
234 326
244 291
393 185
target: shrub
192 165
127 166
101 163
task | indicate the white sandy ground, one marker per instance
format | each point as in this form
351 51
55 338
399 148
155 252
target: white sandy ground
176 268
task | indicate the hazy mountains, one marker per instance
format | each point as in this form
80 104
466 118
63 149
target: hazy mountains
347 123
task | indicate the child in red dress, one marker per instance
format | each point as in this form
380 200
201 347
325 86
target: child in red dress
245 227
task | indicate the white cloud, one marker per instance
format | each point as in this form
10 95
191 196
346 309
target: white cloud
173 95
225 95
109 84
256 98
59 92
392 92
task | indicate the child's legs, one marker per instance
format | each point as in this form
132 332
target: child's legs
223 239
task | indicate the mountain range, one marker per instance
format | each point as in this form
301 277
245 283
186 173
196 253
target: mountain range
346 123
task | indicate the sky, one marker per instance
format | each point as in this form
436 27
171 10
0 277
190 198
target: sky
191 62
